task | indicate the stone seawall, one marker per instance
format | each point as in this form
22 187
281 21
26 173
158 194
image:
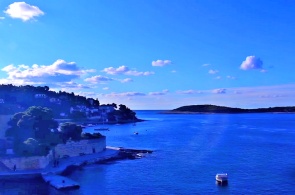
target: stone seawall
26 163
70 149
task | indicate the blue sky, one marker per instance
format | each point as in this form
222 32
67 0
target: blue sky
151 54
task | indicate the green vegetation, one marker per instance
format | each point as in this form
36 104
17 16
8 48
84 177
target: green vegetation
222 109
14 99
91 136
35 131
70 131
19 98
33 128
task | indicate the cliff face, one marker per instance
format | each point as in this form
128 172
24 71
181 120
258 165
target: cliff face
224 109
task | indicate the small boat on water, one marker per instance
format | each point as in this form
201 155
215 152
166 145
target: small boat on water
221 177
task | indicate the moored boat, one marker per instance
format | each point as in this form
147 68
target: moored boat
221 177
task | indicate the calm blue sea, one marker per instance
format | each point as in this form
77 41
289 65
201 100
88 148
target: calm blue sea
256 150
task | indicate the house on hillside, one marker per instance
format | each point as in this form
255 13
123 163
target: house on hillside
79 108
94 113
55 100
40 95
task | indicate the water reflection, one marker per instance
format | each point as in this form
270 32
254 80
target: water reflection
222 184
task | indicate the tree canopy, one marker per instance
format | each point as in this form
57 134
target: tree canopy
70 131
35 125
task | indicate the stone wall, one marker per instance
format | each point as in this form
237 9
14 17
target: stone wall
27 163
72 148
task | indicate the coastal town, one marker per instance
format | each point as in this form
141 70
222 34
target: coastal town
64 105
41 142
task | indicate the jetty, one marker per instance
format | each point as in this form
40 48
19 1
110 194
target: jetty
132 153
60 182
128 150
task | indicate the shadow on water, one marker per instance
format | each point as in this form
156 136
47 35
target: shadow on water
222 184
23 186
222 187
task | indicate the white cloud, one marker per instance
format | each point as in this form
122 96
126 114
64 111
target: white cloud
161 62
125 94
59 71
218 77
23 11
2 18
106 88
251 62
219 91
191 91
127 80
86 94
72 85
164 92
136 73
206 65
126 71
98 79
272 96
173 71
113 71
213 71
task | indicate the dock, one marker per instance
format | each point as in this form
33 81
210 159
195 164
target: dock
60 182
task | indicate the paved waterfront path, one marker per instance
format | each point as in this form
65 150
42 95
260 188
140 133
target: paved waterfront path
63 163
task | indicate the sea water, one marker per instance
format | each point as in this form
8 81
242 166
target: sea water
256 150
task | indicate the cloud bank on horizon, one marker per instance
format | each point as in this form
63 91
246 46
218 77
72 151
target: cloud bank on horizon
98 39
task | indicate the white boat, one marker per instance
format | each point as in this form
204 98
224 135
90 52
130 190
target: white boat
221 177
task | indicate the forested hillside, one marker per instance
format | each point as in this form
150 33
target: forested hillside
14 99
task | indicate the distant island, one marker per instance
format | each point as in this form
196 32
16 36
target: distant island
207 108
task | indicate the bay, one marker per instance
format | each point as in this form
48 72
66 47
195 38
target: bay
256 150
